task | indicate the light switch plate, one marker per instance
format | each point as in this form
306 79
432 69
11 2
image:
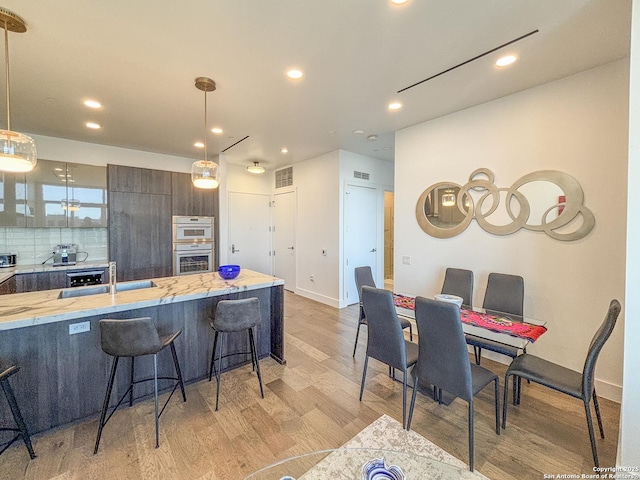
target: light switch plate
406 260
79 327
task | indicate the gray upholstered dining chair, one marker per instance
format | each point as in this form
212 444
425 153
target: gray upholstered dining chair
443 361
364 277
458 281
564 380
132 338
385 341
505 294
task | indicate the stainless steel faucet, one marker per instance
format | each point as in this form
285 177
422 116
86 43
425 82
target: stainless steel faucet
112 278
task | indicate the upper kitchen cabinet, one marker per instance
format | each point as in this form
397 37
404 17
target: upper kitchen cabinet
61 194
139 180
13 200
188 200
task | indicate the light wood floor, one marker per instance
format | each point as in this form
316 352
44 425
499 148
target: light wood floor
310 404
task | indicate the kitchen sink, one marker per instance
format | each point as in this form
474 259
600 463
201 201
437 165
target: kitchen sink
97 289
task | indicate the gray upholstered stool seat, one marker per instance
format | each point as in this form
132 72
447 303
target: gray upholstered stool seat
133 338
7 370
235 316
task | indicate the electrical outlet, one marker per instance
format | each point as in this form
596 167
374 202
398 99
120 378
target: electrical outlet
406 260
79 327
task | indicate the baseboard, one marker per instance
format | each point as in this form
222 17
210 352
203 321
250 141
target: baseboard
318 298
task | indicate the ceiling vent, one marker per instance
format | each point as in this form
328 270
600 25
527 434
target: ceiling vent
284 177
361 175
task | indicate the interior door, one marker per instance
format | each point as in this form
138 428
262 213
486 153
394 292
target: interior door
284 221
249 231
361 234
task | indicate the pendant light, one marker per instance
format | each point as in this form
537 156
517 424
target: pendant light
255 168
448 198
205 174
17 150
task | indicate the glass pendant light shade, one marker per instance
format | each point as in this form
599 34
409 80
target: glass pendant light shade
72 205
448 200
17 152
205 174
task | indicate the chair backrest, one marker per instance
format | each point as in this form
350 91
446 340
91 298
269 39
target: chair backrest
385 340
505 293
459 282
598 341
364 277
130 337
236 315
443 359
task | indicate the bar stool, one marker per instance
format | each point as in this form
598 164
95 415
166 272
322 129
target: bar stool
235 316
6 370
133 338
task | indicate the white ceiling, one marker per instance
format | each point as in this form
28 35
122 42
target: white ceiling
140 58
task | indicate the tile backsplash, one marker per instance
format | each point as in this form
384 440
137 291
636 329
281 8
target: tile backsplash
35 245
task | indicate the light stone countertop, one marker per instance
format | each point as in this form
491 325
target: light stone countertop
36 308
7 273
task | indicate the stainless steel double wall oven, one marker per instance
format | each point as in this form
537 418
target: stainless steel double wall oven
193 241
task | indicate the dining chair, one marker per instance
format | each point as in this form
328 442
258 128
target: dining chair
385 341
505 294
564 380
443 361
364 277
459 282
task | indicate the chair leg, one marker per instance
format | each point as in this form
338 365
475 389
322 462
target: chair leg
218 371
413 403
404 399
105 405
597 406
213 354
471 435
254 354
497 396
592 437
477 351
176 364
355 345
410 332
17 417
155 397
364 375
133 361
505 400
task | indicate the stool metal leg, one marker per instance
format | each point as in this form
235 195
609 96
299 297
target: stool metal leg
133 359
218 371
254 355
178 372
105 405
17 416
155 397
213 354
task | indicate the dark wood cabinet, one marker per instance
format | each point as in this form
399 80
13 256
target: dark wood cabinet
8 286
138 180
188 200
35 282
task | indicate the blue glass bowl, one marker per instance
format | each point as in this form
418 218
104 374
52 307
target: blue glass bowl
229 272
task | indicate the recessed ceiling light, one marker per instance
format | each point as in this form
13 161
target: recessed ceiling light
294 74
198 145
398 2
372 138
284 150
92 104
58 169
216 130
358 132
92 125
506 60
395 106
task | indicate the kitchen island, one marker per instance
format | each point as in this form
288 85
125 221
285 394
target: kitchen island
63 376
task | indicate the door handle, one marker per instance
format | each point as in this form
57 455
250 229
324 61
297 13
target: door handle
373 250
233 248
289 248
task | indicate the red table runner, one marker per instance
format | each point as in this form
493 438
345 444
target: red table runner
495 323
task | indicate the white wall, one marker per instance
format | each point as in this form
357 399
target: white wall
577 125
629 444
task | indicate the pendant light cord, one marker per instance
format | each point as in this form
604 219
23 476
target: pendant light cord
6 61
204 140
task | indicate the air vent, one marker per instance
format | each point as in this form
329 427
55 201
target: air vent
361 175
284 177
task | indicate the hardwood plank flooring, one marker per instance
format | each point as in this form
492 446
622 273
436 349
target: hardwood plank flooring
311 403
